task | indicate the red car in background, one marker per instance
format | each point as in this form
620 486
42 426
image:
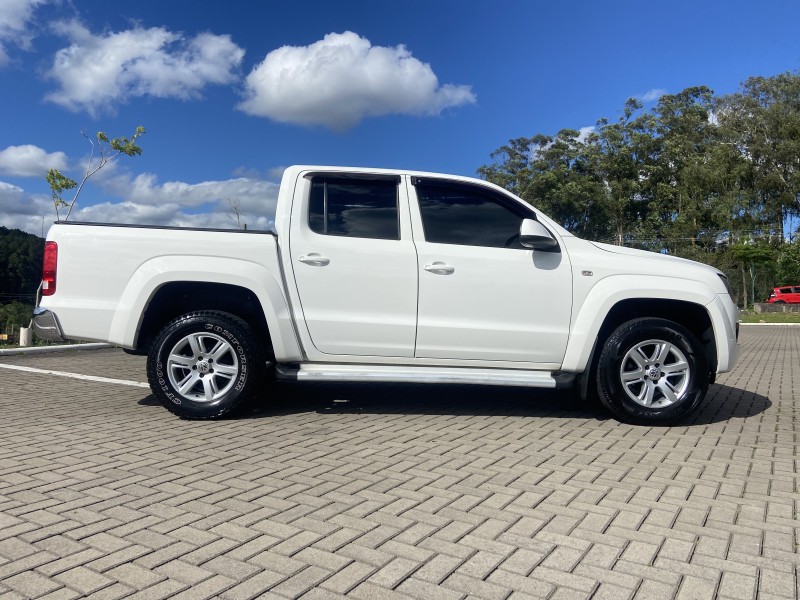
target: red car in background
788 294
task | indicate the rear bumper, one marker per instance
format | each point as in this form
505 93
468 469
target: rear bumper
46 325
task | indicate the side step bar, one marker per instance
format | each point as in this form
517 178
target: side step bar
408 374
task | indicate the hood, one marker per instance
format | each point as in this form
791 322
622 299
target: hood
651 255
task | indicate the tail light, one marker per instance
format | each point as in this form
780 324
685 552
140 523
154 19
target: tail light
49 268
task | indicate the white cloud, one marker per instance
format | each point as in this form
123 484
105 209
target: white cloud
170 214
30 161
252 194
276 173
652 95
9 194
272 173
19 210
584 132
97 71
340 80
181 204
15 16
146 202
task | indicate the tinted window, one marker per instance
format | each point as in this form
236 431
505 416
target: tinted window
468 216
355 208
785 290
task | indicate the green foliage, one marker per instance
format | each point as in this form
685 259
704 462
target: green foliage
107 150
20 264
712 178
788 265
15 314
59 184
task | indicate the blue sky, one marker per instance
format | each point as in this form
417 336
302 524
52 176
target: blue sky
231 92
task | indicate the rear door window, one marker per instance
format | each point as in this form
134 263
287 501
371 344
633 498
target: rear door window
364 208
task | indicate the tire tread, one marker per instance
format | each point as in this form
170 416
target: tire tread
250 344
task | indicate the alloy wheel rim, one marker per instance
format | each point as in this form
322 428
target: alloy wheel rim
202 367
655 374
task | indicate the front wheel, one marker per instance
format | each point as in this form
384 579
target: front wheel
652 371
205 365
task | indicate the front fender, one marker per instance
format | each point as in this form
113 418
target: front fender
154 273
613 289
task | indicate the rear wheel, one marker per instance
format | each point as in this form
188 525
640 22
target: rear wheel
205 365
652 371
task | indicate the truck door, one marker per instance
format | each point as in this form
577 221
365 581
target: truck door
482 296
354 264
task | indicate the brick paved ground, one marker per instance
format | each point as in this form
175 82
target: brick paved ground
397 491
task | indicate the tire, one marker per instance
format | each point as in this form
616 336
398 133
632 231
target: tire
652 372
205 365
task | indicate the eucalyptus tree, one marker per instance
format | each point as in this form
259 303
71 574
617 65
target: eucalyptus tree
762 122
624 153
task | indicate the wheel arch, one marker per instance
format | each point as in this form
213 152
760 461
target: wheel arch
692 316
166 287
616 300
177 298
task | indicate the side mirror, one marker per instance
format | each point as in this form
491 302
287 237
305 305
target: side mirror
535 236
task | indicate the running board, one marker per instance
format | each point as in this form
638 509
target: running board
407 374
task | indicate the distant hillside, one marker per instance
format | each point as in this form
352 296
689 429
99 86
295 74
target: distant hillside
20 265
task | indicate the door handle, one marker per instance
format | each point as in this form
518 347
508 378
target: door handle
314 259
439 268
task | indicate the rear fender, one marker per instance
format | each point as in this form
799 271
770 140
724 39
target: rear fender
151 275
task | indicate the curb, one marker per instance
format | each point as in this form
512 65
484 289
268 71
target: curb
46 349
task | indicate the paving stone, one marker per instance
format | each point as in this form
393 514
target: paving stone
417 588
393 573
253 587
134 576
62 594
370 591
349 577
209 588
31 584
734 585
696 588
296 585
400 491
164 589
476 587
84 580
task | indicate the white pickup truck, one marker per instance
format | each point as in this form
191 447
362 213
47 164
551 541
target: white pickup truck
392 276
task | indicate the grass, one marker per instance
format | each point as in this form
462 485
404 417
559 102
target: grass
753 317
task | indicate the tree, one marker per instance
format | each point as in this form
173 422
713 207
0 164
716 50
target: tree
714 179
14 314
789 265
752 258
107 150
556 175
236 213
763 123
625 161
20 264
